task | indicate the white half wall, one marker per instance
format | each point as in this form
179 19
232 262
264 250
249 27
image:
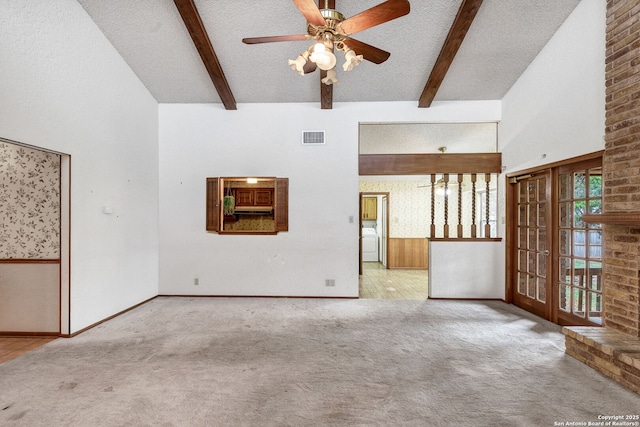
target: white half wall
65 88
468 270
200 141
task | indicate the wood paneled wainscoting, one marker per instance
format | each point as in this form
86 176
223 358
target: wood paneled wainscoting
30 302
408 253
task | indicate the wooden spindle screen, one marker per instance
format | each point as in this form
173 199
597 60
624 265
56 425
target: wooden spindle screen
433 205
446 205
474 227
487 226
469 217
460 179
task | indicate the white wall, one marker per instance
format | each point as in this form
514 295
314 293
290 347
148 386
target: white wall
468 270
64 88
199 141
556 107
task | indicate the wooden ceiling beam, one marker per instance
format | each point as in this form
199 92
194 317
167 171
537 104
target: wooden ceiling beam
193 22
466 14
326 91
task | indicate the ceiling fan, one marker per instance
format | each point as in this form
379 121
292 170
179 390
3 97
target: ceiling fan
330 30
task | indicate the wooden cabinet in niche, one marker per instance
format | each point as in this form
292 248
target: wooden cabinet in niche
369 208
253 197
258 205
243 196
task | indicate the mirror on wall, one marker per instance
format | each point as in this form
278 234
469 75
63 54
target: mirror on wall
247 205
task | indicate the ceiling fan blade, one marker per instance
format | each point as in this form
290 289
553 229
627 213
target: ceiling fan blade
271 39
370 53
310 11
377 15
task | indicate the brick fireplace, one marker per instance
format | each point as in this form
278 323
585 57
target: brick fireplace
615 349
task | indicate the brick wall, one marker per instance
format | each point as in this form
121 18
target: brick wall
621 165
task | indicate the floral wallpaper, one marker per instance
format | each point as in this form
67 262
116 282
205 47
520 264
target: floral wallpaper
29 203
410 206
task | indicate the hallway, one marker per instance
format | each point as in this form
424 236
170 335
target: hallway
377 282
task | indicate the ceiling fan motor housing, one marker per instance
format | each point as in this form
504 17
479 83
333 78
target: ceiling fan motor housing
331 18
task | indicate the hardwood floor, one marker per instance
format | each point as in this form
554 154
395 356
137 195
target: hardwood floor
12 347
377 282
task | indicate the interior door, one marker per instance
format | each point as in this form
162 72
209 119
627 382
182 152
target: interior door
360 235
533 243
383 224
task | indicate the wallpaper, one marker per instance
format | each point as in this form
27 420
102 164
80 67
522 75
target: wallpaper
410 206
29 203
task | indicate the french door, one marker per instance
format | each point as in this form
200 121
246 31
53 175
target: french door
555 264
533 243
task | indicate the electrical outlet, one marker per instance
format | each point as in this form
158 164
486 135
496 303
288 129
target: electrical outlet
196 281
330 282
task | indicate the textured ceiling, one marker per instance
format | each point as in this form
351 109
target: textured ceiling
502 41
408 138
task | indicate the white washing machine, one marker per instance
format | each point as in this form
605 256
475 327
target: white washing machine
369 245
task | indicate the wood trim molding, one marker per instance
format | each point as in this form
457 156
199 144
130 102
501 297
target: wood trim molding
590 156
614 218
107 318
29 261
422 164
466 14
202 42
253 296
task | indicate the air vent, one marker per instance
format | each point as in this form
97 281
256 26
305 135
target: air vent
312 137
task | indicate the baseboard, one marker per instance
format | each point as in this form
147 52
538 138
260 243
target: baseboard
468 299
104 320
253 296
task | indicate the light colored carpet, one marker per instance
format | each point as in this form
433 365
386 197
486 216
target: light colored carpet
309 362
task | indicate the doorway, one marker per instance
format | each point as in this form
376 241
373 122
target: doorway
555 258
374 228
377 279
35 260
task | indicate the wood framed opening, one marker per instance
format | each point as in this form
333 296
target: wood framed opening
554 257
247 205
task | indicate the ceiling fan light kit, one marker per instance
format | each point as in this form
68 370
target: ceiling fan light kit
322 56
331 31
331 78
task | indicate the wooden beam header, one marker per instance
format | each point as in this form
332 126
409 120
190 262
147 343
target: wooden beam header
424 164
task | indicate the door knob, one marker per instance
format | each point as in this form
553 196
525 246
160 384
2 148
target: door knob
545 252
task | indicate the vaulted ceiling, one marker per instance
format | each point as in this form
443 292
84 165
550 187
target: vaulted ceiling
442 50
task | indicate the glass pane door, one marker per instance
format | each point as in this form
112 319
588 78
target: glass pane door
580 246
533 250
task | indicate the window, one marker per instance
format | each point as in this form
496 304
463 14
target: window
245 205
